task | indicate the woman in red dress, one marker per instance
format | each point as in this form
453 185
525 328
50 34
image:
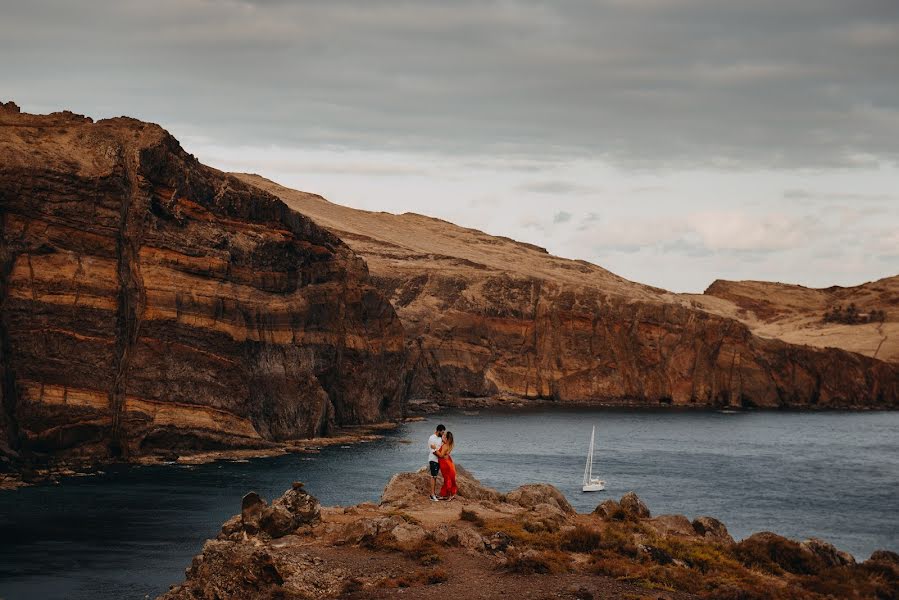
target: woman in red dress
447 468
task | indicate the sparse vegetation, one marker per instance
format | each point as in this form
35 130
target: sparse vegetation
581 539
472 517
420 577
852 316
544 562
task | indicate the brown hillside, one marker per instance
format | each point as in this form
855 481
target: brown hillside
794 313
487 316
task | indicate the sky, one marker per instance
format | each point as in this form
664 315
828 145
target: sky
673 142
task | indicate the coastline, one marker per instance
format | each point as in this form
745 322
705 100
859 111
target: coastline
516 404
54 470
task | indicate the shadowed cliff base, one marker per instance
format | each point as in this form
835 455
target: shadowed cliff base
153 306
528 542
490 318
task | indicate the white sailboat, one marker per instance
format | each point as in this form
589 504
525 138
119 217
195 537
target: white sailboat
592 484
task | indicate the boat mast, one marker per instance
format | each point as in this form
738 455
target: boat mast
588 471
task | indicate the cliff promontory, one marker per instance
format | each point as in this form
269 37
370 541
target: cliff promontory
150 304
486 316
527 543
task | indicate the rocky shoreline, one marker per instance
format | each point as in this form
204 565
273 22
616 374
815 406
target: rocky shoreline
53 470
417 407
528 542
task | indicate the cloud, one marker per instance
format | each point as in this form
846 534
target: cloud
561 217
655 83
735 230
556 188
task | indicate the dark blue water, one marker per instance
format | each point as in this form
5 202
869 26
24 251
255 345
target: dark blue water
130 533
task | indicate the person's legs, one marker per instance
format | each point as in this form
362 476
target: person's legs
435 470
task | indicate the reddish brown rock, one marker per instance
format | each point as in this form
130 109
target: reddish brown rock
488 317
151 304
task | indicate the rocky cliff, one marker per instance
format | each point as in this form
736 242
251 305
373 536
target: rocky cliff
487 316
528 543
795 314
151 304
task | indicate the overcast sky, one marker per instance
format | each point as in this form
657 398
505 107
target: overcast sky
671 141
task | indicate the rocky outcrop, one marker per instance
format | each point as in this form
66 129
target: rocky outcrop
533 495
487 317
634 506
523 545
151 304
404 488
288 513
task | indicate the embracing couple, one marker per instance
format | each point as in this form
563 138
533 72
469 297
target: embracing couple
440 446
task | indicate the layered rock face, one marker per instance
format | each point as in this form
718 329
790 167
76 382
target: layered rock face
150 303
486 316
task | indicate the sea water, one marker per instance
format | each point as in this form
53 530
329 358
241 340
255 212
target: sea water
131 532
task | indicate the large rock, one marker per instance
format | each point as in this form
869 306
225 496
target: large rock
828 553
712 529
672 525
532 494
634 506
489 316
608 510
179 308
544 517
252 508
886 556
453 535
294 509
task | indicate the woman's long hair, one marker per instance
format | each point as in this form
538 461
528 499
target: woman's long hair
449 441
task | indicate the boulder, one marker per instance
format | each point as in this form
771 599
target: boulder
885 556
532 494
666 525
544 517
366 530
251 508
294 509
632 505
463 537
712 529
304 507
608 510
277 522
408 534
828 553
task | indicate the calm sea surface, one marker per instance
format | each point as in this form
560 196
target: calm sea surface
131 532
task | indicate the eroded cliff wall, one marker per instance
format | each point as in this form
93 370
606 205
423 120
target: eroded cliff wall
498 334
487 316
150 303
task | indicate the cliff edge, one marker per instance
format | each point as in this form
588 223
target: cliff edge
152 305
